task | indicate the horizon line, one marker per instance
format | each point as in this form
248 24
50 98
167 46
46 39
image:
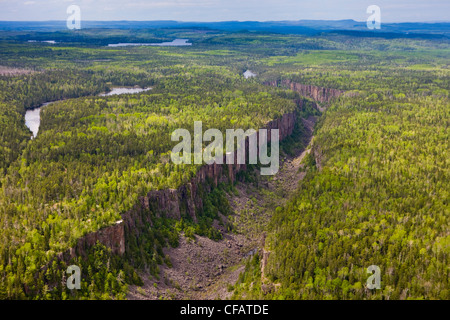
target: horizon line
219 21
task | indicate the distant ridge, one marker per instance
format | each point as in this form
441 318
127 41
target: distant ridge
296 27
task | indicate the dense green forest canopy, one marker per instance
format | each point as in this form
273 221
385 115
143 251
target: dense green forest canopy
381 196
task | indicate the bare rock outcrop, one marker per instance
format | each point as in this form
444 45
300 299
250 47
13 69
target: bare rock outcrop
316 93
319 94
173 203
112 237
188 198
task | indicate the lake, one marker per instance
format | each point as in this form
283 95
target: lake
33 116
46 41
116 91
174 43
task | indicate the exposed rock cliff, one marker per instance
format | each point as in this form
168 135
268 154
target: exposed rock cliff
319 94
188 198
112 237
173 203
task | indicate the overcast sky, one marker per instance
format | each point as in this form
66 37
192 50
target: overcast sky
222 10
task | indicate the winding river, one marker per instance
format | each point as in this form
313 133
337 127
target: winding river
33 116
173 43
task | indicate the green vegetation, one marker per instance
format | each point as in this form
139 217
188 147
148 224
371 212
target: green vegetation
94 156
381 196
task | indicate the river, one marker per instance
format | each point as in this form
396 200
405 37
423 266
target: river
33 116
174 43
116 91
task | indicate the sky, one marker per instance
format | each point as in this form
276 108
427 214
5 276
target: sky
226 10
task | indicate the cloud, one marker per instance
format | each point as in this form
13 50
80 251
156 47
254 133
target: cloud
220 10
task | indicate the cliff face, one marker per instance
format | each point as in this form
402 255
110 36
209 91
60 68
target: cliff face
319 94
188 198
172 203
112 237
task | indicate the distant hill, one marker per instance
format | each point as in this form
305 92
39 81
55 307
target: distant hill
296 27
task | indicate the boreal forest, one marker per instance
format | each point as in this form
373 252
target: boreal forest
363 179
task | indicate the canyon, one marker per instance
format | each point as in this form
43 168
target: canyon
188 198
173 203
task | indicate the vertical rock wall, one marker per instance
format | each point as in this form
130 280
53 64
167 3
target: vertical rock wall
319 94
173 203
188 198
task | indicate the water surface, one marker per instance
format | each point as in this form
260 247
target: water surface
33 119
174 43
116 91
33 116
46 41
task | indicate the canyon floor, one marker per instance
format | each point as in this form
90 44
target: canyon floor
206 269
